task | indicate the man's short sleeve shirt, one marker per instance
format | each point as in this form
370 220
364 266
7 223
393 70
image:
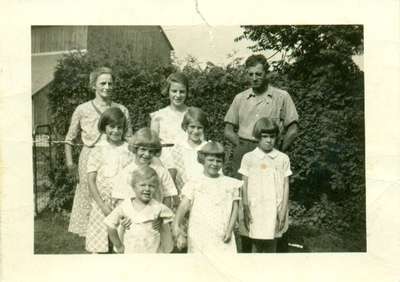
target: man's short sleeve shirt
247 108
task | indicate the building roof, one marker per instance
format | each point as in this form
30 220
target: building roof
166 38
44 64
43 67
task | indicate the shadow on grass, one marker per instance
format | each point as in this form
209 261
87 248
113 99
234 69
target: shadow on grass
315 240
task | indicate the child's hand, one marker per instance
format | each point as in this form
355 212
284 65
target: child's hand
157 224
281 216
227 237
119 249
181 241
247 216
176 230
125 222
180 237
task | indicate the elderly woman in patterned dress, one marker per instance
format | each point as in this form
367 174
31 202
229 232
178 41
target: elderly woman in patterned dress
84 122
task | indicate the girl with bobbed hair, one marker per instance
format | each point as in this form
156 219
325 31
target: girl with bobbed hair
84 123
265 172
109 156
212 200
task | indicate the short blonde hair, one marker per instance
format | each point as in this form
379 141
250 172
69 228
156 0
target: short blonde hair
144 173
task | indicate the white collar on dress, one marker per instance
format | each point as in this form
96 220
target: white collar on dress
185 144
261 154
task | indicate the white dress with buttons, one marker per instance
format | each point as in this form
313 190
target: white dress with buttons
266 173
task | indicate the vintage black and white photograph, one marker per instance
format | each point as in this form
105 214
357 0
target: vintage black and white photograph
198 139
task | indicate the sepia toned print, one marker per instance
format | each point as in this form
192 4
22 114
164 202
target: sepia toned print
201 37
312 91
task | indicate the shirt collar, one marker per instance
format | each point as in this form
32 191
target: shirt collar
261 154
185 144
267 92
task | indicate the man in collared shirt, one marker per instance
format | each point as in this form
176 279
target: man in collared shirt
261 100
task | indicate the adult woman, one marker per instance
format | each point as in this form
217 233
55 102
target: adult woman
84 122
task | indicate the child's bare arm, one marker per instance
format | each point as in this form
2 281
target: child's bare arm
113 234
178 233
244 194
94 193
245 201
183 208
232 220
155 125
285 203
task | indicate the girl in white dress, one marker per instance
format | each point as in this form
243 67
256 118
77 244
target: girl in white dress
184 152
142 211
213 201
104 163
265 173
167 121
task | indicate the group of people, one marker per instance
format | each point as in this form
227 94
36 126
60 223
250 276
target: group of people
162 189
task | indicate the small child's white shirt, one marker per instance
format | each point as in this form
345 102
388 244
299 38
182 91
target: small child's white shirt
140 237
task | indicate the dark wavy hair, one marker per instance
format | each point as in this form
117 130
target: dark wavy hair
257 59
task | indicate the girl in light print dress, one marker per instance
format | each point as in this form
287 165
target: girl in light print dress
265 173
167 121
84 123
142 211
105 161
184 152
213 201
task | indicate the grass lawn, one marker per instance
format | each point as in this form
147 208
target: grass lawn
52 237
